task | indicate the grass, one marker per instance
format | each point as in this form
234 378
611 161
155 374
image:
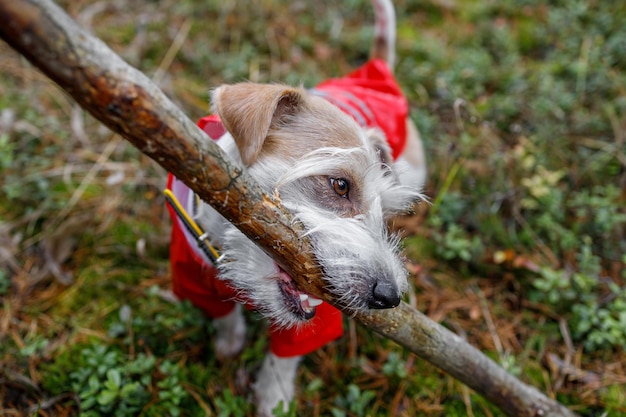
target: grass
523 112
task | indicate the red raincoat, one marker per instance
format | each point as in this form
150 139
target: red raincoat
373 98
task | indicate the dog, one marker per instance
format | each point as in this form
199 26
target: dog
343 157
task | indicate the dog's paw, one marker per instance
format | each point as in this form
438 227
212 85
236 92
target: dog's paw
275 383
231 333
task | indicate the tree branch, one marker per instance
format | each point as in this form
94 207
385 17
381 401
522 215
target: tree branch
130 104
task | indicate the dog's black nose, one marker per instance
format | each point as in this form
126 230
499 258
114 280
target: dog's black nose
384 295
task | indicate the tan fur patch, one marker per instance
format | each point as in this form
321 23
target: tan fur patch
279 119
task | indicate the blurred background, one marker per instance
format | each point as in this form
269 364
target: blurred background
521 251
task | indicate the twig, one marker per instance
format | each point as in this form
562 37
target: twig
78 192
171 53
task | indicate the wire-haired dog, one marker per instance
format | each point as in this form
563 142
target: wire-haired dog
343 157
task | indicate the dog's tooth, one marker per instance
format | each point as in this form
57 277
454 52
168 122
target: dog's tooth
303 297
314 302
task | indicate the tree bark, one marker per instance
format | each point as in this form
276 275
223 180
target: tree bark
130 104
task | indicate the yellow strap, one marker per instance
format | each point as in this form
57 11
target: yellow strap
195 229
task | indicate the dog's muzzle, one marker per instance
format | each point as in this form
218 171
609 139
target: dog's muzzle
383 295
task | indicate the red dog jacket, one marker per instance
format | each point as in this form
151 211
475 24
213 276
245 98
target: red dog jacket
370 95
373 98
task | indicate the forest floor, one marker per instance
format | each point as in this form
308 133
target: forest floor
521 251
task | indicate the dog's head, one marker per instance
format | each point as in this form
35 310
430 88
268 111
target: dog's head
337 178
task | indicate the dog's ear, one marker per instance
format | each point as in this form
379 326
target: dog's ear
248 111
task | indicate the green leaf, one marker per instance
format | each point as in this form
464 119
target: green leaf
114 379
107 397
130 389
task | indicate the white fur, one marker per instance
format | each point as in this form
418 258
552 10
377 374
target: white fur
354 252
275 383
385 27
231 333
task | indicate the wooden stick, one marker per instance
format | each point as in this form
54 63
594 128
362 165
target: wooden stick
130 104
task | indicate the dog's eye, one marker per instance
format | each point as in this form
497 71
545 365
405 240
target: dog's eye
340 186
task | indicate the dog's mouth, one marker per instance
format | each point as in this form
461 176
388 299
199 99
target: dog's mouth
301 304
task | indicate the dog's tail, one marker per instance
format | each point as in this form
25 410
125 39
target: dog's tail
384 46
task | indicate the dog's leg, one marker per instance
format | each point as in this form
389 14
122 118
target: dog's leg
416 158
275 383
231 333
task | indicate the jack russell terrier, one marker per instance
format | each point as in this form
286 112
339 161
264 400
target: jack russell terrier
343 157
